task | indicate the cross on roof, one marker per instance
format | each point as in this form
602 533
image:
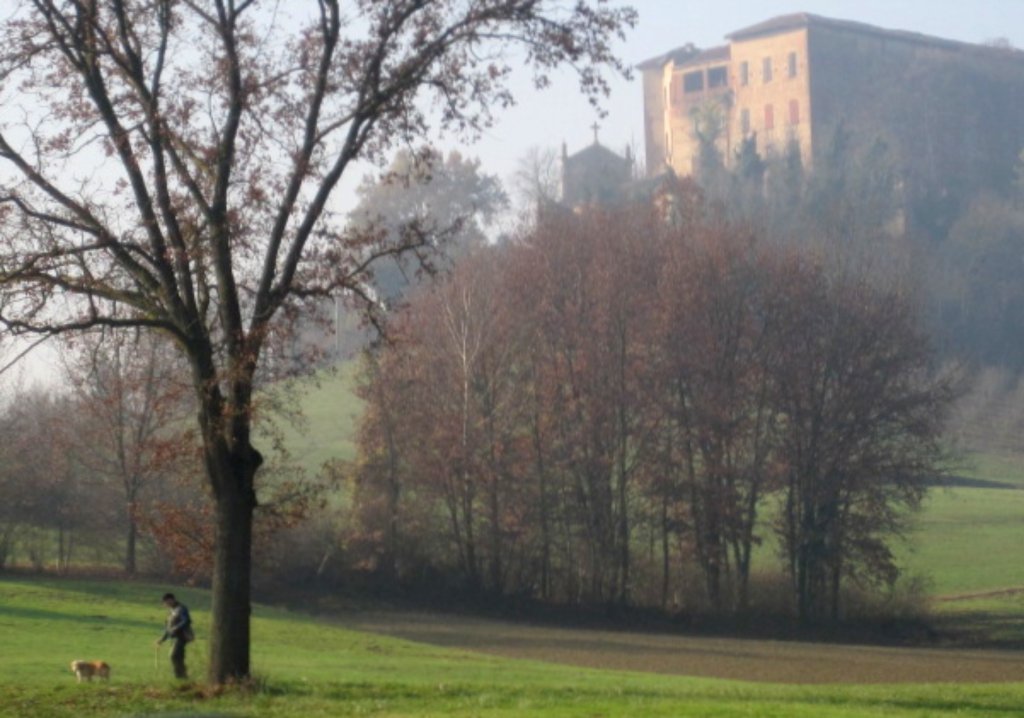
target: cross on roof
595 127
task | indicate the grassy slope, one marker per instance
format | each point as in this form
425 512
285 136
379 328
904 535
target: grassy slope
994 467
967 544
310 669
969 540
329 411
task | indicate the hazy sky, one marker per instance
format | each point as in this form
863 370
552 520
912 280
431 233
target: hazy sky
559 114
546 119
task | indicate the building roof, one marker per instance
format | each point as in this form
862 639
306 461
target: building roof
720 53
678 55
596 153
595 174
688 55
793 21
784 23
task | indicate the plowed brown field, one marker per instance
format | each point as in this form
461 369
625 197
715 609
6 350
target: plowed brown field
740 659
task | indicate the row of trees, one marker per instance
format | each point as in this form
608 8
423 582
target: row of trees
618 407
108 471
90 461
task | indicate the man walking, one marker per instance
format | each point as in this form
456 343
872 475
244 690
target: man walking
178 629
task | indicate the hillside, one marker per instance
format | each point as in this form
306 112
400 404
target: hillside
324 429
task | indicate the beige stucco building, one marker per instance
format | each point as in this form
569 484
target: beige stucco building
943 107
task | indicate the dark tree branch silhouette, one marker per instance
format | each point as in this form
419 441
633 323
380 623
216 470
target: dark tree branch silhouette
169 164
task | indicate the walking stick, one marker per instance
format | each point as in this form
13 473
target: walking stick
156 658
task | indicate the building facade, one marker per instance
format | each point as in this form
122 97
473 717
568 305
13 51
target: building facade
945 109
595 176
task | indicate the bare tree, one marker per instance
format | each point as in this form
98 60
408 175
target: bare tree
168 164
46 492
448 198
717 357
129 405
862 410
537 181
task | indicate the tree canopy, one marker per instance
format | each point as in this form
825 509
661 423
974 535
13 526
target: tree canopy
169 164
445 199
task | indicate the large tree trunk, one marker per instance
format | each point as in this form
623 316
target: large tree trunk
232 572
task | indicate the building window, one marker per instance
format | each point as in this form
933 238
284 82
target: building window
766 69
744 73
693 81
718 77
745 121
769 117
794 112
792 64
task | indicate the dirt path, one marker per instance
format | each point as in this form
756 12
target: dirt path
752 660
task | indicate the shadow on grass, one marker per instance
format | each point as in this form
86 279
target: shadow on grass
98 621
967 482
579 643
985 629
115 587
180 714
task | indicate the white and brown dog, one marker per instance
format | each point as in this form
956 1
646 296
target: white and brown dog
86 670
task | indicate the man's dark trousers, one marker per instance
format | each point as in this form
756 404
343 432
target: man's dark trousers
178 658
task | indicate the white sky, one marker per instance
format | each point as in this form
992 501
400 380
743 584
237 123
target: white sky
546 119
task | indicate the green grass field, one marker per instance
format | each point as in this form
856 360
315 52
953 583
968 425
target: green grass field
966 543
969 541
308 669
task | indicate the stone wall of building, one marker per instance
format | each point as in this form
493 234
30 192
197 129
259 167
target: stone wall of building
775 100
948 112
706 110
594 175
654 121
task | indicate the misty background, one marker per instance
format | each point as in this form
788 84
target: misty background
545 119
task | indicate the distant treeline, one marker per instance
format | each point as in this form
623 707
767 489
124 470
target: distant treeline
958 239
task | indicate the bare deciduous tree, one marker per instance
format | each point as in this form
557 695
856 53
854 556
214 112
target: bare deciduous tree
612 381
130 405
863 410
537 181
175 160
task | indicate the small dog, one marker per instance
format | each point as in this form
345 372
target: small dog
85 670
